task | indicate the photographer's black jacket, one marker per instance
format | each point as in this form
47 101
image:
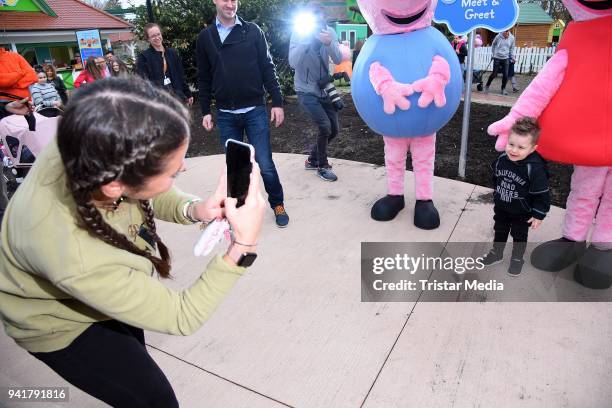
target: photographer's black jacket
521 187
237 70
150 65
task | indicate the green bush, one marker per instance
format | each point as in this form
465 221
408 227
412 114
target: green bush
182 20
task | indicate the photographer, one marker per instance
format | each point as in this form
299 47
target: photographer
309 54
80 246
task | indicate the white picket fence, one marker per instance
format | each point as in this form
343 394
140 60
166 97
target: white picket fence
529 60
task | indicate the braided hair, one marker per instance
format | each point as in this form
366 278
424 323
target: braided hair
119 129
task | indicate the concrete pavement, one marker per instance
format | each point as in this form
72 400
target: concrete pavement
294 332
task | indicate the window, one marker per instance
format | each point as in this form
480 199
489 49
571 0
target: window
342 36
60 56
29 54
352 39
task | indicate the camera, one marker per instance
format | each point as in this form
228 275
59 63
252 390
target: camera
308 24
327 84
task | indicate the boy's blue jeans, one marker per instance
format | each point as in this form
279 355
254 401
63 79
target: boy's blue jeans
255 124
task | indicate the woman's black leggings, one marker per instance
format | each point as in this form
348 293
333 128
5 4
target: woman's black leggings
109 361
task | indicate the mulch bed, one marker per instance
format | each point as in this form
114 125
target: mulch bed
357 142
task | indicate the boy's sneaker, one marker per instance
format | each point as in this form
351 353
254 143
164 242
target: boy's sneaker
516 266
515 90
504 92
492 258
308 165
282 219
486 89
327 174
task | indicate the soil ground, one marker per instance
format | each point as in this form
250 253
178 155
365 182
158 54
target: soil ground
357 142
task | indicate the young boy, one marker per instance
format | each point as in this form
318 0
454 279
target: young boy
521 193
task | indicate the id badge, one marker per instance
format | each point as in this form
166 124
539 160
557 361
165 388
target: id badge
167 81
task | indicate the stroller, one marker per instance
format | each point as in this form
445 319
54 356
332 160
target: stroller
23 138
477 77
49 112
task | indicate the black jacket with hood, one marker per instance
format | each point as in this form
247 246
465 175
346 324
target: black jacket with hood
521 187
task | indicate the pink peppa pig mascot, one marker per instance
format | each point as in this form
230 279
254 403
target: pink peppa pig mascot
572 99
406 85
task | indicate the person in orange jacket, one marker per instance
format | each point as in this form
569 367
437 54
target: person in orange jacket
344 70
16 75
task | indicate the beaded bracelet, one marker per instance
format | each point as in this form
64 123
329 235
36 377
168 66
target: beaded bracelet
188 209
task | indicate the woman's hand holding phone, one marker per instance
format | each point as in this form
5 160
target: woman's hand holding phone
246 221
212 207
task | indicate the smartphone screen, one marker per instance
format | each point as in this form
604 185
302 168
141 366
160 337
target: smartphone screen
239 166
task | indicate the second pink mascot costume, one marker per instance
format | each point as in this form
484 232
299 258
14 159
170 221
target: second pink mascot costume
406 85
572 99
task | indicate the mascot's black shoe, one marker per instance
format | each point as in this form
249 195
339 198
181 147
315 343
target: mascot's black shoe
552 256
594 269
387 207
426 215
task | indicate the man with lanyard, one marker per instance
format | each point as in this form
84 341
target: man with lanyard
162 65
235 66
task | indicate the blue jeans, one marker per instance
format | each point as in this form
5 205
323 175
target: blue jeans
323 114
255 124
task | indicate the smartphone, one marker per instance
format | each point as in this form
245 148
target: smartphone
239 159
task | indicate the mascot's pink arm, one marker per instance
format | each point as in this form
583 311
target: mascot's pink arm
396 94
534 99
393 93
432 86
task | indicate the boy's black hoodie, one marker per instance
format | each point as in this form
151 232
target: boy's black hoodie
521 187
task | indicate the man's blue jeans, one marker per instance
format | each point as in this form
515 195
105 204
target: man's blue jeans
255 124
323 114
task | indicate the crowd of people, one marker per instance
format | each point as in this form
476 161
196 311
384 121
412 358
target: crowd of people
502 56
96 190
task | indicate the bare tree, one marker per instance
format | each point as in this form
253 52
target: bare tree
555 9
104 4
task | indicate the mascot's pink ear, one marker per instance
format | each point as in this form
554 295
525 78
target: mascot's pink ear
345 51
478 41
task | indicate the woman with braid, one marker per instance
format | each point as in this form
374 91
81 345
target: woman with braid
80 252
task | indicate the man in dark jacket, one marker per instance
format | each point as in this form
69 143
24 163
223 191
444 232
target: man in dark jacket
235 66
521 196
162 65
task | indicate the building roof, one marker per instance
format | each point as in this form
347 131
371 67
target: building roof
71 14
121 37
531 13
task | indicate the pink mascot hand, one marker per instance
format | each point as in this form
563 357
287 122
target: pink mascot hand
501 129
392 92
432 86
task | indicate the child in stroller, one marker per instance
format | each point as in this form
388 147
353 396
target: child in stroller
460 46
46 99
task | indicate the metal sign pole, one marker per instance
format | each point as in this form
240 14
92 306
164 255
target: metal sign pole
466 105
